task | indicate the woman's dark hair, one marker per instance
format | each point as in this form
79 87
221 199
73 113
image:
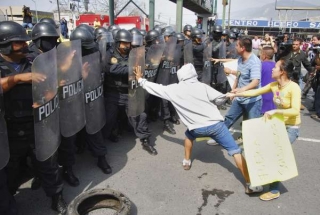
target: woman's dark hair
287 66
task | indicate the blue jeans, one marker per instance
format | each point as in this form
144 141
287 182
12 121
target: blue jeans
249 111
293 134
25 25
220 133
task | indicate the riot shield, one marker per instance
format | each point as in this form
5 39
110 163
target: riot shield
176 63
93 93
166 65
105 41
188 53
136 97
46 105
207 74
221 76
153 58
71 96
4 143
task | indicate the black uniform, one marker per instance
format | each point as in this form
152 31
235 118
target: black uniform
20 124
198 58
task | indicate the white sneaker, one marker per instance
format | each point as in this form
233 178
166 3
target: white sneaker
251 189
212 142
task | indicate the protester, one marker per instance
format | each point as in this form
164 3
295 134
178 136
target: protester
27 17
64 28
266 77
256 45
202 118
70 27
287 98
96 23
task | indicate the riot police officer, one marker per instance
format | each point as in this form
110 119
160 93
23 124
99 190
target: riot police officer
231 51
99 31
198 47
44 38
94 141
187 29
16 79
167 66
116 90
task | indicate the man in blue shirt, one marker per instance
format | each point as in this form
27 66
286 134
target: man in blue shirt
248 77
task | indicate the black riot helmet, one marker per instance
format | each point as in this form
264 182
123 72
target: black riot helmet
217 29
157 28
153 37
235 31
180 36
196 33
187 28
168 31
225 32
114 33
87 39
99 31
134 31
232 35
143 32
89 28
45 36
113 27
43 29
49 20
10 32
123 36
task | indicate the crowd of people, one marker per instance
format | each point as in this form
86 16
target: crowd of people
183 79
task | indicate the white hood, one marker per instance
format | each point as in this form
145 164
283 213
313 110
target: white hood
187 73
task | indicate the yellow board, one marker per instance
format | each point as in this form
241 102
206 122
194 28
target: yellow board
268 150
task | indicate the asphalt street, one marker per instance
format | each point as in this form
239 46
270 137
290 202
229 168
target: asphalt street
158 185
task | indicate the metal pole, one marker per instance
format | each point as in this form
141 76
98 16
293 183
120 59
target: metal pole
179 15
35 3
229 14
223 14
111 12
151 14
215 7
58 5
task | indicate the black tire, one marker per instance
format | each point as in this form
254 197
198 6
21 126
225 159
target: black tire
98 199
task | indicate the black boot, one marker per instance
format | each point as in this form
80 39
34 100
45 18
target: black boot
103 165
167 127
36 183
58 203
146 146
175 120
69 176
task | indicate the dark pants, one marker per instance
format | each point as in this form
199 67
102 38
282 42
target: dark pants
67 151
7 202
47 170
114 101
317 101
167 109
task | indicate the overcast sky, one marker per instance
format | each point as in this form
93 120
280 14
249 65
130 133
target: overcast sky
165 8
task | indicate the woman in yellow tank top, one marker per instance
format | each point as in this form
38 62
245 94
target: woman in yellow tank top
287 98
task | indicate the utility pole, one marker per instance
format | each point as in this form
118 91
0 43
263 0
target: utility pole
35 3
229 14
224 3
58 5
151 14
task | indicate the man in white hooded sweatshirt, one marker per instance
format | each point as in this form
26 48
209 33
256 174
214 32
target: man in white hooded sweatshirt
191 100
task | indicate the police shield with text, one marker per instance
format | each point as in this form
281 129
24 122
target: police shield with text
207 74
72 113
19 114
136 93
46 105
117 90
93 93
154 52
